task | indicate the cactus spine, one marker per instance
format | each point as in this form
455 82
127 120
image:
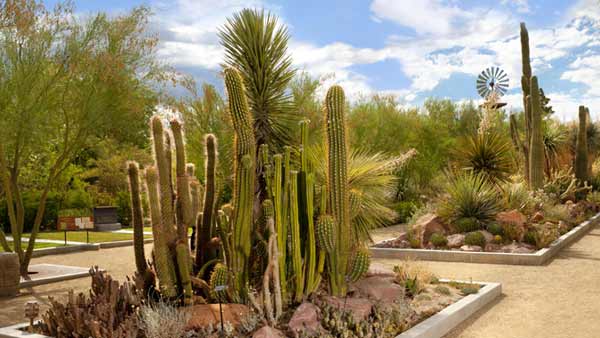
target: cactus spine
137 219
205 232
325 233
581 147
337 184
244 169
536 145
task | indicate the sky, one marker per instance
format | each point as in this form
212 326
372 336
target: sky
412 49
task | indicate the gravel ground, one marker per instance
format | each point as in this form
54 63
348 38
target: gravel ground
558 300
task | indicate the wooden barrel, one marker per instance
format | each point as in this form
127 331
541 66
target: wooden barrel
9 274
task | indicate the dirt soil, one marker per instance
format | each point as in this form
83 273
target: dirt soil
558 300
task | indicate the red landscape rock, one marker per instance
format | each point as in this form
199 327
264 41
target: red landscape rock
537 217
306 317
204 314
511 217
427 225
380 288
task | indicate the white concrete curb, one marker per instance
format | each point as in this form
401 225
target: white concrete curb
444 321
539 257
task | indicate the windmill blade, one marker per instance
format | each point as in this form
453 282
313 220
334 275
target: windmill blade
483 76
495 71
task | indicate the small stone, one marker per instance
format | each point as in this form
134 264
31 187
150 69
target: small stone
427 225
456 241
471 248
379 270
268 332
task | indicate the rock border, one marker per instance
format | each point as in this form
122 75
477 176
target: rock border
539 257
433 327
451 316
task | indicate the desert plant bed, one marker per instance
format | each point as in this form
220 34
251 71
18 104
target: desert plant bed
492 250
408 302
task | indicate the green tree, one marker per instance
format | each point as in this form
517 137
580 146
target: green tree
63 81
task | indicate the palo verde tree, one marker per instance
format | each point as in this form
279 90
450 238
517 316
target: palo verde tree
63 81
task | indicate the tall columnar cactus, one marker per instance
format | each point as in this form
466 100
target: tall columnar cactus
296 245
536 145
137 219
244 169
280 221
183 266
526 87
205 233
337 184
581 147
163 261
163 165
183 203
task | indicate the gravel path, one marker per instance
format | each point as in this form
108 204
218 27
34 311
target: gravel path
559 300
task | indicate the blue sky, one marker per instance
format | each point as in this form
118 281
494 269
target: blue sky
412 49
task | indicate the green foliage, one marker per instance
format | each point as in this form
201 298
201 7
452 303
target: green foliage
438 240
514 196
488 154
536 143
469 290
256 44
469 195
442 290
467 224
475 238
404 210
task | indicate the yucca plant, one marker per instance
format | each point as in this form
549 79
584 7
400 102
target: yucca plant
556 138
372 186
256 44
488 154
469 195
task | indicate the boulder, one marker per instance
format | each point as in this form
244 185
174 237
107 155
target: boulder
360 308
471 248
398 242
456 241
427 225
305 318
511 217
268 332
518 248
380 288
203 315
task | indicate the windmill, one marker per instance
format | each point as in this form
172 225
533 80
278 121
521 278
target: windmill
492 83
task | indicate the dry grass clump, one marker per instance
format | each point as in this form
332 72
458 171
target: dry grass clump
161 320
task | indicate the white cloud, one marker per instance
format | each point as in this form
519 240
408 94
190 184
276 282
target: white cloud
522 6
585 70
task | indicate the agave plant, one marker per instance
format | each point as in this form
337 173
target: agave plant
556 137
469 195
372 186
487 154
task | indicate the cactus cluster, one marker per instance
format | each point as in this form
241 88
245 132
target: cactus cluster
295 239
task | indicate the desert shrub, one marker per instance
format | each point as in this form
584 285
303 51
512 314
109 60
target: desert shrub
513 232
498 239
515 196
487 154
557 212
469 195
442 290
469 290
31 202
594 197
545 234
438 240
495 229
475 238
420 212
413 239
413 276
529 237
163 320
467 224
404 209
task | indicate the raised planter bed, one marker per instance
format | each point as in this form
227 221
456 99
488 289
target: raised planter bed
435 326
539 257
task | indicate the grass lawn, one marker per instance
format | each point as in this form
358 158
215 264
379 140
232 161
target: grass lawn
80 236
37 245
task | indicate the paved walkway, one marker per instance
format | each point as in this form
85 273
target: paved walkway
559 300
